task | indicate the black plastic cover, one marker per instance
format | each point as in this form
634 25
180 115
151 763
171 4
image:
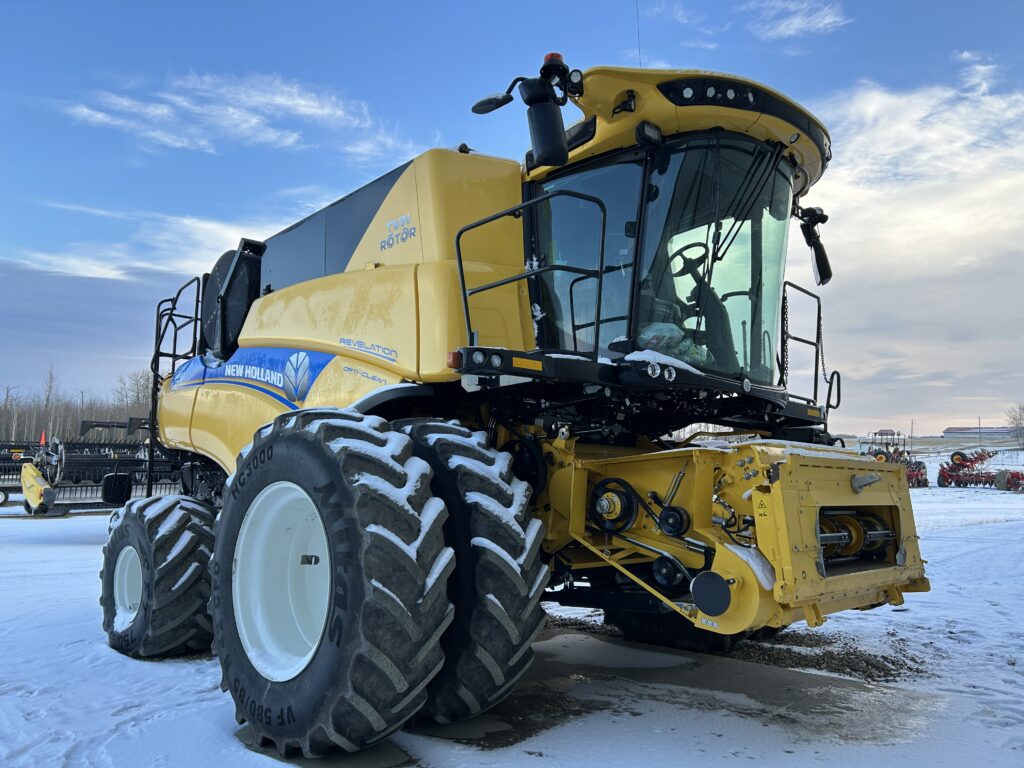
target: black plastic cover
323 243
226 300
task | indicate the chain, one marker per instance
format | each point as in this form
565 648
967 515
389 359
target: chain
785 339
821 352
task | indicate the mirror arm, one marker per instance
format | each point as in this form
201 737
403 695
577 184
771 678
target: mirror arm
513 84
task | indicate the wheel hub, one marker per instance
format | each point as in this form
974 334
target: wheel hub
281 581
127 587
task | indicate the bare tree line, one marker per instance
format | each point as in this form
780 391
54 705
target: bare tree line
1015 415
26 413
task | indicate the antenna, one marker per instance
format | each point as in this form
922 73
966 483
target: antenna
636 8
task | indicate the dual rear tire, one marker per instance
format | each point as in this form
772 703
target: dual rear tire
500 577
335 612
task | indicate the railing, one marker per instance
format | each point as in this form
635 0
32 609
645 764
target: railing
577 327
834 380
517 212
183 326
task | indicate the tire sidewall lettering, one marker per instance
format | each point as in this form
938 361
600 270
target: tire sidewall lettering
281 707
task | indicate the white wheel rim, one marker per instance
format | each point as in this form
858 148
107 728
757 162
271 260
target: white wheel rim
127 587
281 581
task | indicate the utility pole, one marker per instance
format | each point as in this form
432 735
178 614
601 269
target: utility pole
911 435
979 431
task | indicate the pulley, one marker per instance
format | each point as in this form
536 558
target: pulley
667 572
674 521
613 507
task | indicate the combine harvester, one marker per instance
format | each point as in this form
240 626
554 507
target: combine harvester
427 407
887 445
65 477
965 470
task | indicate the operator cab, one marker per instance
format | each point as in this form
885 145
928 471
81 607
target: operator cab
706 279
656 251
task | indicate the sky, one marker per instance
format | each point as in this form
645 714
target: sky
138 141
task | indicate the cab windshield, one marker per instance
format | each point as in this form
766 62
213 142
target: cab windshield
714 256
705 264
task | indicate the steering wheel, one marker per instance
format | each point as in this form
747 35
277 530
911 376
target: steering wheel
690 263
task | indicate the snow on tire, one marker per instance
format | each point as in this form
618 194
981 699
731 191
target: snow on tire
329 582
499 576
155 577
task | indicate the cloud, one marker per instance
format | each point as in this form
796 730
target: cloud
382 143
207 112
174 139
674 11
783 19
151 242
925 237
706 45
270 94
979 73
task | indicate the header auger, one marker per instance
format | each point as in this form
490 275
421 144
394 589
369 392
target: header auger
444 398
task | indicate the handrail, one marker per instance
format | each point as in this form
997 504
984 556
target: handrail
170 319
517 212
787 337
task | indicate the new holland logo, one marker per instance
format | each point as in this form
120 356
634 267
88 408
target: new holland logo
296 377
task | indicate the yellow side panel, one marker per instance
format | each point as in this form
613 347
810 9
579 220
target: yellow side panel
457 189
345 380
439 193
175 416
225 419
395 235
369 315
500 316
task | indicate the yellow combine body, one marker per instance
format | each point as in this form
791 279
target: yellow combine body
465 301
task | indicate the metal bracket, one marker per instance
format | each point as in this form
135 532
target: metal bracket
860 482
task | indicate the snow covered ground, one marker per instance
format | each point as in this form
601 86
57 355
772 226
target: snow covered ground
67 699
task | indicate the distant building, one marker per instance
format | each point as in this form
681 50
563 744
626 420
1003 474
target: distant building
985 433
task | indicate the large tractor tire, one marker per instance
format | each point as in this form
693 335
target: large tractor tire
330 581
958 457
155 577
4 498
499 576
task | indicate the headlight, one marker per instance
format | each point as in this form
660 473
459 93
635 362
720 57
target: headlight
670 373
495 361
653 370
479 357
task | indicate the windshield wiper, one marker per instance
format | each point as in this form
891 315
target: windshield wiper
749 192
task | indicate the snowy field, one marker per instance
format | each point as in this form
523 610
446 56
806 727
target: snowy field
952 667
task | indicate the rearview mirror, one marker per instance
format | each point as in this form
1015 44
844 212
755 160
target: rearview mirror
117 488
491 103
810 218
547 131
822 268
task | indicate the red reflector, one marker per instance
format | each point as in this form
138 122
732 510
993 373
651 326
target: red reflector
455 359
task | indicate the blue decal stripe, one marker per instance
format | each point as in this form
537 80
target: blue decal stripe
290 405
375 354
